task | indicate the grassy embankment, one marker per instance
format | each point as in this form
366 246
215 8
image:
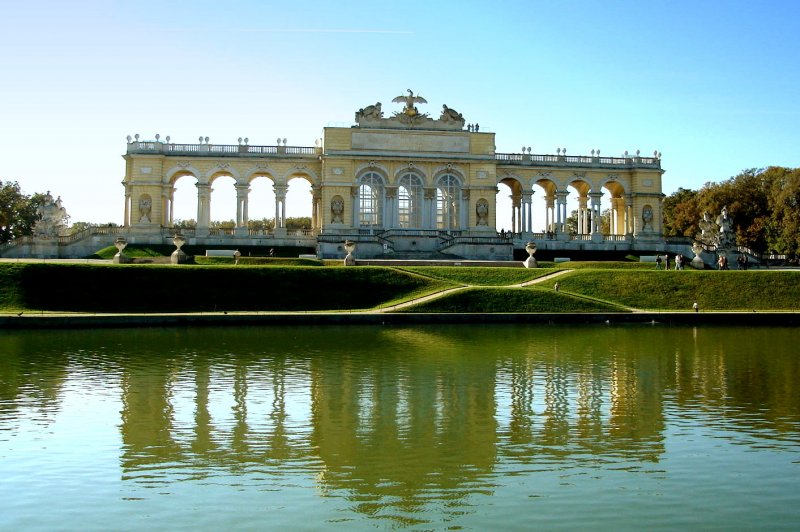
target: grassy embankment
590 289
151 288
156 288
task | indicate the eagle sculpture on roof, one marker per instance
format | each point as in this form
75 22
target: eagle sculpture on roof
410 100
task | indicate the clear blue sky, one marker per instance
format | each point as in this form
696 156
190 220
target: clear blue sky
714 86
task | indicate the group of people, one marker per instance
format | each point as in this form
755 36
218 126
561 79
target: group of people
680 261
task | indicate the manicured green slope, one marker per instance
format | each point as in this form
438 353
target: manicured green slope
479 276
677 290
152 288
488 300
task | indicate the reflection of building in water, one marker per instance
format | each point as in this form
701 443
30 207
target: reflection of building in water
377 433
433 414
585 400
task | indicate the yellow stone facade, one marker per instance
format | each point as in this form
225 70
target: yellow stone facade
404 184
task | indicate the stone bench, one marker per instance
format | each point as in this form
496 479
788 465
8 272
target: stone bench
220 252
561 259
313 257
648 258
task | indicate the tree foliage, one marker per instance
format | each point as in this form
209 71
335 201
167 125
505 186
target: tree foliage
18 211
764 205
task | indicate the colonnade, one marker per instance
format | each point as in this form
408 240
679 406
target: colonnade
242 206
588 211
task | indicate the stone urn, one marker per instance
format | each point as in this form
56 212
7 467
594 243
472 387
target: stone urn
120 257
178 256
349 247
697 262
530 262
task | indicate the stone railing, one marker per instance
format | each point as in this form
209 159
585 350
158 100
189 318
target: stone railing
527 159
220 150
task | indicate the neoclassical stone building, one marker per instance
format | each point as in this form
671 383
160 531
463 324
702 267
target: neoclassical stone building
402 184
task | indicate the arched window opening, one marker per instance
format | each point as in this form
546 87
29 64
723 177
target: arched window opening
370 197
448 196
183 203
409 199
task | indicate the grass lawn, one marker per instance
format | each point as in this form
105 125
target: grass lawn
677 290
168 288
478 275
489 300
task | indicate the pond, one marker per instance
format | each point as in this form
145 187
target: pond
421 428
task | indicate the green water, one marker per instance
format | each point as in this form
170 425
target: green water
419 428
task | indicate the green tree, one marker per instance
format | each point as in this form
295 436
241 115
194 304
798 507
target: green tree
301 222
18 211
264 224
184 224
783 226
681 213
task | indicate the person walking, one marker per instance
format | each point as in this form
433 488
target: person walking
695 306
666 261
556 286
658 262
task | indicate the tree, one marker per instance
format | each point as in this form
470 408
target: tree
763 203
681 213
184 224
18 211
783 226
302 222
264 224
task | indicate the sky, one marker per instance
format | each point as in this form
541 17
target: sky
713 85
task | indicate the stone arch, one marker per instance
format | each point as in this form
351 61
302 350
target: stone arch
614 209
177 172
303 172
449 200
221 203
373 166
370 198
409 198
583 204
546 218
509 204
254 173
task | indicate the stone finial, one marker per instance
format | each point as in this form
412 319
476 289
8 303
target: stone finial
284 142
167 139
129 139
158 137
136 136
206 139
246 141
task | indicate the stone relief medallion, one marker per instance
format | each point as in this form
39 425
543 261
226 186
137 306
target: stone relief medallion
482 212
337 210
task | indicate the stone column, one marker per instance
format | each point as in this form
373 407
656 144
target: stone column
126 222
316 207
165 207
582 212
203 208
390 218
464 210
549 212
629 229
171 206
429 208
242 192
354 198
561 208
527 203
596 197
280 207
516 213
